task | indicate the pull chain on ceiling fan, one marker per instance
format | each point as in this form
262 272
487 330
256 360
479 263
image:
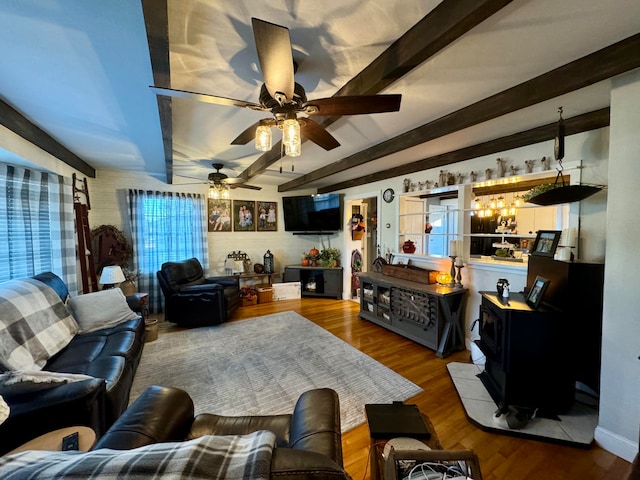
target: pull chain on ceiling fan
285 99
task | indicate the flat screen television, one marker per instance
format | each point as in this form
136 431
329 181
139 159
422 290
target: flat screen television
310 214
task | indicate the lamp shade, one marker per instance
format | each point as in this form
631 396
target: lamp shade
111 275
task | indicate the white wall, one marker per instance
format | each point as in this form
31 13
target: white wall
109 207
620 378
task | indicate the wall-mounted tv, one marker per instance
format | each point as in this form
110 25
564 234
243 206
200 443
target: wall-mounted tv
311 214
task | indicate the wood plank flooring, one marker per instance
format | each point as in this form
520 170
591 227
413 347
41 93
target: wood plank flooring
501 457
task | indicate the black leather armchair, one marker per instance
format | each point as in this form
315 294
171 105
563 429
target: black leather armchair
191 299
308 440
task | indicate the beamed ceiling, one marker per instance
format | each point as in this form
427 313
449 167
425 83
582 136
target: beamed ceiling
477 77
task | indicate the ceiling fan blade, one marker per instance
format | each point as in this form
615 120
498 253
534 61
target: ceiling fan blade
205 97
353 105
246 136
244 185
275 56
318 135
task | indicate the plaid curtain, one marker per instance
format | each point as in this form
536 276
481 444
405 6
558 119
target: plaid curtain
37 226
165 227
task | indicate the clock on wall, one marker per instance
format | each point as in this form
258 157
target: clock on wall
388 194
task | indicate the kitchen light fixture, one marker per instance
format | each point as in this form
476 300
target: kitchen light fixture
291 139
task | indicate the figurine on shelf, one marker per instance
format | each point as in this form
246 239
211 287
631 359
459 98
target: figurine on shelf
529 165
502 166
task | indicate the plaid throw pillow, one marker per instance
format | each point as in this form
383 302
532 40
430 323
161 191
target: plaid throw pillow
34 324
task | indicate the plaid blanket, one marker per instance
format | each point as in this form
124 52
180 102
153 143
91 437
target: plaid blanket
208 457
34 324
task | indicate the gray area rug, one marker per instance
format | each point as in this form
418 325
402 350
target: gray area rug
261 365
576 427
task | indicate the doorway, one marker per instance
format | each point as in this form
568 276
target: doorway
361 241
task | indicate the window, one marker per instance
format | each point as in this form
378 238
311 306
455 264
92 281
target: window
37 232
165 227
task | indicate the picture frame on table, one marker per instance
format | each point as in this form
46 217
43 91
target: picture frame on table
536 293
546 243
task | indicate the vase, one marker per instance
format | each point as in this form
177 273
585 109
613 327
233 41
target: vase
128 287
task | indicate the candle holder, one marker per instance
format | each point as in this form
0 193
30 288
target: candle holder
459 276
453 270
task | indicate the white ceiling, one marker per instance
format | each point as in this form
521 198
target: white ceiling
81 71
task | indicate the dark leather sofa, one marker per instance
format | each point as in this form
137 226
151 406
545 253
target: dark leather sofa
308 441
111 355
193 300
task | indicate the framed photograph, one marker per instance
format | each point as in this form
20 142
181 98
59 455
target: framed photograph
546 242
244 216
219 215
536 293
267 216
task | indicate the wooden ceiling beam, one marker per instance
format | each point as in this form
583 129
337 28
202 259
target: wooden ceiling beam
22 126
156 19
608 62
450 20
578 124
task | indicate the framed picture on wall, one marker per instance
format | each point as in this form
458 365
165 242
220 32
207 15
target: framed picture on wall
219 215
546 242
267 213
244 216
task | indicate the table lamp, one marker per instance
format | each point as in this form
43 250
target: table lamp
110 276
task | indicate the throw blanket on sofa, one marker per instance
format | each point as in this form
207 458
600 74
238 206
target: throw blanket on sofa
34 324
209 457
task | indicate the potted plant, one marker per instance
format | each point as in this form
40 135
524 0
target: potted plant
249 296
330 257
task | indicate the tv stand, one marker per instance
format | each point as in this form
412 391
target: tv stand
316 281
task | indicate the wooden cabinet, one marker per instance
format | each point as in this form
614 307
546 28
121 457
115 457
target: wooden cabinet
316 281
527 354
430 315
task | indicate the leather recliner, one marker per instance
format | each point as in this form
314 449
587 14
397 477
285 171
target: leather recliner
308 441
191 299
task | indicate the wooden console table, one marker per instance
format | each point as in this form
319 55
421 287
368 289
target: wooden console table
431 315
246 276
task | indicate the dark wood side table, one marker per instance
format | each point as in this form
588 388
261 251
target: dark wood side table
387 421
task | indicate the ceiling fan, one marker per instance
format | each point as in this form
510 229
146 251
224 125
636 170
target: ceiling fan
220 183
285 99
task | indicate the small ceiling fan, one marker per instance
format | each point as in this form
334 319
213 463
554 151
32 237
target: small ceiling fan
285 99
222 181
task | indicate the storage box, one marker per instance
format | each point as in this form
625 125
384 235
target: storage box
249 301
265 293
410 272
286 291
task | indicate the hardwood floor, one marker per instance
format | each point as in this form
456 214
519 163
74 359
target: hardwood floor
501 457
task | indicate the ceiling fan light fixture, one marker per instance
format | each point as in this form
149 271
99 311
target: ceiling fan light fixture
291 137
263 138
218 191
